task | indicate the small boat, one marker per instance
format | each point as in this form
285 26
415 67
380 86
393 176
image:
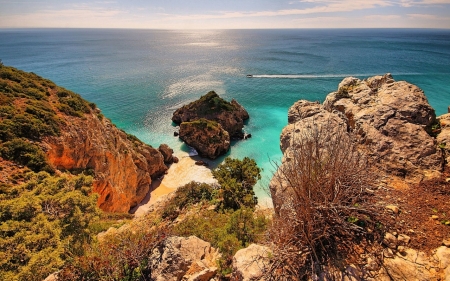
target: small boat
249 76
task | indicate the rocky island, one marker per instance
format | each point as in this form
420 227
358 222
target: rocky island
209 123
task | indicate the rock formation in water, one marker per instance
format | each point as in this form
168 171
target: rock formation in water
207 137
230 115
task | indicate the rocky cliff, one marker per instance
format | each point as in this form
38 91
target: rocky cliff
392 120
230 115
394 125
39 116
123 165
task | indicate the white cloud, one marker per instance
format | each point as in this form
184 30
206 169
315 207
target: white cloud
324 7
382 17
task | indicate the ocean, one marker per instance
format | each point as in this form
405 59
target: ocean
139 77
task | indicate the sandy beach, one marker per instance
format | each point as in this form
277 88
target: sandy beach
178 175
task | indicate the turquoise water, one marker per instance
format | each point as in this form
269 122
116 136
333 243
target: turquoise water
139 77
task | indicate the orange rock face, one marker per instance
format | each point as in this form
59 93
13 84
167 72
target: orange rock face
123 166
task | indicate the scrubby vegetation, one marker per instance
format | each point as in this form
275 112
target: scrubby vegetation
326 221
211 103
194 209
29 109
45 222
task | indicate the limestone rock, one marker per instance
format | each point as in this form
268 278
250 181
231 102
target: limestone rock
390 240
207 137
394 119
124 166
167 153
393 208
249 263
230 116
446 242
443 256
403 239
303 116
180 258
412 265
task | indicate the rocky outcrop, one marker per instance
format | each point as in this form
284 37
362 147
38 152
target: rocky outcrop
123 165
393 120
207 137
167 153
180 258
230 115
250 263
395 126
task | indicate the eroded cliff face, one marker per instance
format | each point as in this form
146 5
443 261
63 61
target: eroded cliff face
123 166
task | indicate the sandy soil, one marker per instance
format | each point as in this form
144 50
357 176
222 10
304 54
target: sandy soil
178 175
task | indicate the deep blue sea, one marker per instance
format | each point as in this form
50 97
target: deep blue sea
139 77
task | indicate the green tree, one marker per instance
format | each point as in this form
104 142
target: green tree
237 178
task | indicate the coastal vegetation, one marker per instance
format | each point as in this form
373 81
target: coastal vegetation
328 220
45 222
194 209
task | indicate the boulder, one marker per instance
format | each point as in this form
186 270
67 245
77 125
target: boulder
167 153
180 258
230 115
207 137
250 263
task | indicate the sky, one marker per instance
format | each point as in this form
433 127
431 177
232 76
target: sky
225 14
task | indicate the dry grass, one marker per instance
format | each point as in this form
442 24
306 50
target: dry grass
324 222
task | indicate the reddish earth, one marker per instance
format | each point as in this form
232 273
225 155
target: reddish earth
417 206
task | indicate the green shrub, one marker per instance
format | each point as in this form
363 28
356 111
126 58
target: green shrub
45 221
25 153
189 194
228 231
237 178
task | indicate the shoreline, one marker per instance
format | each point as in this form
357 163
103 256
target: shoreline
177 175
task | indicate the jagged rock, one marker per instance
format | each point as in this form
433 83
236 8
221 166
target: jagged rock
230 115
443 256
403 239
390 240
124 167
446 242
411 265
167 153
180 258
303 115
207 137
249 263
201 163
394 119
393 208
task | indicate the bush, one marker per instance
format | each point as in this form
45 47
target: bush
45 221
324 221
189 194
25 153
228 231
237 178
